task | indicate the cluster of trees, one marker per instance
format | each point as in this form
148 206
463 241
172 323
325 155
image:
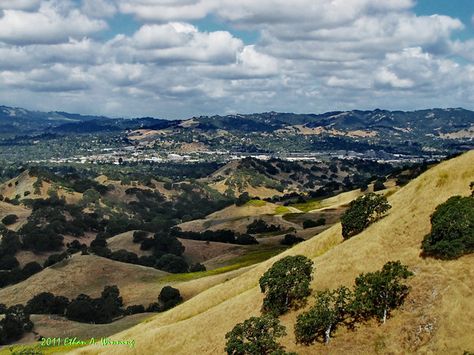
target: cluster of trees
452 229
260 226
104 309
362 212
10 271
14 324
375 294
221 236
286 286
167 252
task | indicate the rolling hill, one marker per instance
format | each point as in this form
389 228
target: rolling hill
437 316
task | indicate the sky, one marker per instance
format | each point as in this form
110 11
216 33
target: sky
184 58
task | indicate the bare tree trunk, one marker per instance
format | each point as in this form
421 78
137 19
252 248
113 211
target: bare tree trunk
328 334
384 315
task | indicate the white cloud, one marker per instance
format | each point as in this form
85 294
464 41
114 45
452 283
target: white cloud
19 4
99 8
311 56
167 10
47 25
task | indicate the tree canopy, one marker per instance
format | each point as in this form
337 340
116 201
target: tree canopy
286 284
362 212
452 229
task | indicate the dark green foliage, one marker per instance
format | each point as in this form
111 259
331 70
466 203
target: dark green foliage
55 258
165 243
8 262
256 336
309 223
169 297
10 219
242 199
452 229
139 236
291 239
379 185
47 303
286 284
362 212
245 239
30 269
377 293
134 309
260 226
317 324
124 256
96 310
81 309
15 323
172 263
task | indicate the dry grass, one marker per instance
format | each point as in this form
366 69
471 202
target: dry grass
88 274
437 318
21 212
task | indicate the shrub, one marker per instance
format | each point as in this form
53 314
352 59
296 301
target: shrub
10 219
309 223
55 258
169 297
291 239
245 239
139 236
379 185
256 336
452 229
286 284
260 226
242 199
362 212
134 309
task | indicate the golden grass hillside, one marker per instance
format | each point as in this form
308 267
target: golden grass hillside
87 274
437 316
23 186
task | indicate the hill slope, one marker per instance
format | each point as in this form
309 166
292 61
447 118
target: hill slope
436 318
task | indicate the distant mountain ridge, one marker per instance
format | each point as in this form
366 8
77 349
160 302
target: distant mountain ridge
449 120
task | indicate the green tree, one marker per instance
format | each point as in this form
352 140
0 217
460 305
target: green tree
452 229
256 336
377 293
10 219
321 320
15 323
286 284
362 212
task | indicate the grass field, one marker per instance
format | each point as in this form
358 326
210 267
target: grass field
437 317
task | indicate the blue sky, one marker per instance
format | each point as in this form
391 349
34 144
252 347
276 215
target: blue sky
183 58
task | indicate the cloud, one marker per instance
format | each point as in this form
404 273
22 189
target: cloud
167 10
99 8
310 56
19 4
46 26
